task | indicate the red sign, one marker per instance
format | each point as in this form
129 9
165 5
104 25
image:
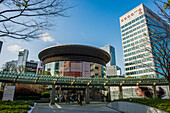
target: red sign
71 74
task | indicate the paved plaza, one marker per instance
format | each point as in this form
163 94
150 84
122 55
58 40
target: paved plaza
72 108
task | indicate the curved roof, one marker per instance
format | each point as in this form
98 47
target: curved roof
72 52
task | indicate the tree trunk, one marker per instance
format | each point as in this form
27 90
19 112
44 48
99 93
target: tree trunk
169 84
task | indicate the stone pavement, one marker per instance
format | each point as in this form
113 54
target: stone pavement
72 108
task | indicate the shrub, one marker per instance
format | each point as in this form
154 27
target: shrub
28 97
45 95
14 111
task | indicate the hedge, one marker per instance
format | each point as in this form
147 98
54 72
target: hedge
15 106
16 103
28 98
14 111
45 95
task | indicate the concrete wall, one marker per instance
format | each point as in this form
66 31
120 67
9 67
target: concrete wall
128 107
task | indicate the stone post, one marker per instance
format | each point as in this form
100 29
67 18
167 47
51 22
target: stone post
87 100
53 94
60 90
120 92
154 91
108 92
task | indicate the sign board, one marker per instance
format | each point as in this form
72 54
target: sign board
86 69
8 93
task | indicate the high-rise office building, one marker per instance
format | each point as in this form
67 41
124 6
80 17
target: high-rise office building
111 50
29 66
136 26
111 69
22 57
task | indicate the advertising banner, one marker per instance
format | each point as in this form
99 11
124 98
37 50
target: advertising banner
66 66
8 93
76 67
86 69
73 74
141 92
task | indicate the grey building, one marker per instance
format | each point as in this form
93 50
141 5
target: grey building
22 57
111 50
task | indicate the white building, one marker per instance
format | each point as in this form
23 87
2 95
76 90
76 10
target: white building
135 27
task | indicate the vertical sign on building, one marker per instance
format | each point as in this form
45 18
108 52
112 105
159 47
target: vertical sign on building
86 69
1 45
66 66
8 93
76 69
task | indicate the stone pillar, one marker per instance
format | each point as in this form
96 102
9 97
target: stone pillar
53 94
87 99
60 90
120 92
154 91
108 93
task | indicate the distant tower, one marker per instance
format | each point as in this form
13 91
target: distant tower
22 57
111 50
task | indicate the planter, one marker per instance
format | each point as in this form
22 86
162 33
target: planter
44 100
129 107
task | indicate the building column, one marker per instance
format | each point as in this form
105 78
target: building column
59 90
108 93
120 92
87 99
53 94
154 91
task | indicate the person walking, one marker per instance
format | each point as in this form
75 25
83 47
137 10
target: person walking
72 98
59 98
67 99
80 99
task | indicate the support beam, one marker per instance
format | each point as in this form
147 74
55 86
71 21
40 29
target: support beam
60 90
87 99
108 93
53 94
154 91
120 92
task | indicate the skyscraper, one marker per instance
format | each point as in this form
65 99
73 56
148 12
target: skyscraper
136 26
111 50
22 57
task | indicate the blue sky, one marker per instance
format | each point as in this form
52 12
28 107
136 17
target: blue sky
91 22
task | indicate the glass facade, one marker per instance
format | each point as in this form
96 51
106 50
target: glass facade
137 29
75 69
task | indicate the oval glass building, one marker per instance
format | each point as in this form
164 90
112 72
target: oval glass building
74 60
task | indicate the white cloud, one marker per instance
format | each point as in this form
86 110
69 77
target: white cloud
14 48
46 37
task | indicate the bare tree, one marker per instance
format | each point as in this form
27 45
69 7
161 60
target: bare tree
9 67
26 19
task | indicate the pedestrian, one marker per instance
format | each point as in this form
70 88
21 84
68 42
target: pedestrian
72 98
67 99
59 98
80 99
